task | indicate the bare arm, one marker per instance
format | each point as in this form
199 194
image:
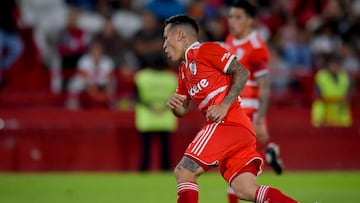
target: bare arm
239 77
264 95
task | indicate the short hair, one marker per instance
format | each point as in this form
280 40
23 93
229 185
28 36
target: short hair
249 8
183 20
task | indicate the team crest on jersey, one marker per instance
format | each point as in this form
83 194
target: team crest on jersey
192 67
239 53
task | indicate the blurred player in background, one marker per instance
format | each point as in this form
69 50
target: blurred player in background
245 43
212 78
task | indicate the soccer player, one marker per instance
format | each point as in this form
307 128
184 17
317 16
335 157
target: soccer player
212 78
245 43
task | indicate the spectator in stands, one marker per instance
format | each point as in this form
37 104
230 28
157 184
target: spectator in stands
112 42
73 42
152 116
280 75
11 45
94 78
216 28
350 62
337 15
46 18
272 15
353 34
127 21
163 9
323 42
90 5
331 106
295 46
307 11
125 61
148 41
202 10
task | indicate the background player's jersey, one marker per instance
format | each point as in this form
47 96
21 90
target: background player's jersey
254 55
203 78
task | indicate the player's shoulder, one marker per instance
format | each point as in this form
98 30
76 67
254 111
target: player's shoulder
210 45
211 48
256 41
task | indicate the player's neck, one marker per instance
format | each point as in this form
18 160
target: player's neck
188 43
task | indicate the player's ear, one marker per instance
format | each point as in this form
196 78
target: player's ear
180 35
251 21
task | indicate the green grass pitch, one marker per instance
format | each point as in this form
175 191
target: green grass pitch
307 187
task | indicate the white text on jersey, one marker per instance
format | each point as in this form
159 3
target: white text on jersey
198 87
225 56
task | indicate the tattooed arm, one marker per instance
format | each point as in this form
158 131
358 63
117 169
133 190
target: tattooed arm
239 77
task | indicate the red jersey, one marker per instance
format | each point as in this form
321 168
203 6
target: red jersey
253 53
231 143
203 78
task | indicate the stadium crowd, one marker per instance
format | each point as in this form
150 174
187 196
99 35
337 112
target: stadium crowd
301 34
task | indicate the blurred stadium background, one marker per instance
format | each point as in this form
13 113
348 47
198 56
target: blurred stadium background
49 152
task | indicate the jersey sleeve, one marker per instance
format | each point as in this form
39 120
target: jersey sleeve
181 89
216 55
259 60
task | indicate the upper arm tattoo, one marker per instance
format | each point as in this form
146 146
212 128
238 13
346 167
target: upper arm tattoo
239 77
189 164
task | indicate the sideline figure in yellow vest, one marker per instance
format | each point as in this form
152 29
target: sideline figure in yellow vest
152 116
331 107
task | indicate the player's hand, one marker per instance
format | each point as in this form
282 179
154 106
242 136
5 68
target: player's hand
217 112
178 104
176 101
261 130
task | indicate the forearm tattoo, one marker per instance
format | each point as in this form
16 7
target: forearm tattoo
189 164
239 77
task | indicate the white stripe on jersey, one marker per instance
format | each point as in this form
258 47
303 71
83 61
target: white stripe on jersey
251 83
254 41
204 138
211 95
249 103
261 73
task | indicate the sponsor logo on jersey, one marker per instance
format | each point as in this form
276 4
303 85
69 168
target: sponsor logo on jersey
239 53
203 83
